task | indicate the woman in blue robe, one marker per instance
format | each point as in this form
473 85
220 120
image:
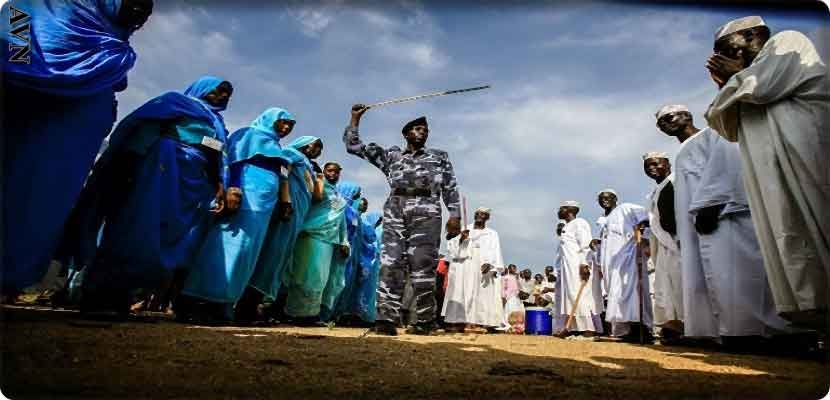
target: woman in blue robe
63 61
339 294
277 252
364 306
224 265
320 251
155 189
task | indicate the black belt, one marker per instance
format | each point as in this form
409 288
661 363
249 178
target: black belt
412 192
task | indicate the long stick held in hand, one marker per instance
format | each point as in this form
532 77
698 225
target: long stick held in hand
425 96
463 212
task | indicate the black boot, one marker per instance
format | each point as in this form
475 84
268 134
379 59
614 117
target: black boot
385 328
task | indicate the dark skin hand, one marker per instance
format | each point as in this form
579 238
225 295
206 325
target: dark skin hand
233 199
485 268
584 272
219 205
344 251
285 210
706 220
721 67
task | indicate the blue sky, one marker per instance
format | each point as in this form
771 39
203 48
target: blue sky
571 111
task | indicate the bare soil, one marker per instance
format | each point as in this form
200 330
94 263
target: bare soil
55 354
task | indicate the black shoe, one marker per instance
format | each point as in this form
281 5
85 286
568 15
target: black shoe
422 328
385 328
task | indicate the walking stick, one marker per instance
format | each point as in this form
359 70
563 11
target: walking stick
639 259
576 304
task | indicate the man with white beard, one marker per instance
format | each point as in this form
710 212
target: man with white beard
665 254
725 289
774 100
575 273
619 257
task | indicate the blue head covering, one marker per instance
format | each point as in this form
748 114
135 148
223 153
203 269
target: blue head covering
303 141
265 121
204 85
348 190
259 138
292 152
76 48
371 218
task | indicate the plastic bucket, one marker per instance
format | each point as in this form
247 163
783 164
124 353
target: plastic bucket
538 321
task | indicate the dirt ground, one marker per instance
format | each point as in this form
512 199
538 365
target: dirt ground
55 354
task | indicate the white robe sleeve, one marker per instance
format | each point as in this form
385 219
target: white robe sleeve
787 61
492 254
721 182
583 240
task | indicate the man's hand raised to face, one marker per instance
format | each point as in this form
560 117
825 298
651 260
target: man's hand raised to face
721 67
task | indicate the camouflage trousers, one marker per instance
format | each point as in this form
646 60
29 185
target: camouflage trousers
411 237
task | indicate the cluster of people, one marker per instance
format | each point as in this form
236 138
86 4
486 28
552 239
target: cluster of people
736 234
175 211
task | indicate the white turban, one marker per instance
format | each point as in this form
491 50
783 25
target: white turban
738 25
612 191
570 203
655 154
484 210
671 108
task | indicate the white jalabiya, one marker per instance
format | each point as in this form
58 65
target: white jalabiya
778 110
527 286
601 222
485 248
619 256
665 255
574 245
596 280
462 279
725 289
473 297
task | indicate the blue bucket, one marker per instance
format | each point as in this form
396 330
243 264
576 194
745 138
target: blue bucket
538 321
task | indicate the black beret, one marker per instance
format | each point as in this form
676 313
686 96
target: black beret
415 122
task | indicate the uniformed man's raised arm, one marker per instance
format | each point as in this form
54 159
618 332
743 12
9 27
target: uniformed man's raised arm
375 154
449 190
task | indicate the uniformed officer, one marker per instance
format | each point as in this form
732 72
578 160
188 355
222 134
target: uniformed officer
418 178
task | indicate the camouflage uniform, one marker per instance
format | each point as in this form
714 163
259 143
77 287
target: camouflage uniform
411 221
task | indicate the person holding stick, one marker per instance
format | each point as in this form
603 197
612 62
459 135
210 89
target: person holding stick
628 287
577 305
419 178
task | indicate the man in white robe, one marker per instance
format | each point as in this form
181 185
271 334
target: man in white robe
575 274
665 253
485 252
620 258
479 250
774 100
725 289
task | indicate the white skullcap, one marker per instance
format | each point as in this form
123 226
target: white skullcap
484 210
561 221
739 25
570 203
655 154
671 108
612 191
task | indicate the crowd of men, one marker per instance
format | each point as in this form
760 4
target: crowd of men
177 214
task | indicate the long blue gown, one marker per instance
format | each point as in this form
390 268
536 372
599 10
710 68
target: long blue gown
364 304
342 290
153 188
224 265
58 107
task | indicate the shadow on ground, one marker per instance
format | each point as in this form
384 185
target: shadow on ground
54 354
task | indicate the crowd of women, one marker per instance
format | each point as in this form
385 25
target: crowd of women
174 212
